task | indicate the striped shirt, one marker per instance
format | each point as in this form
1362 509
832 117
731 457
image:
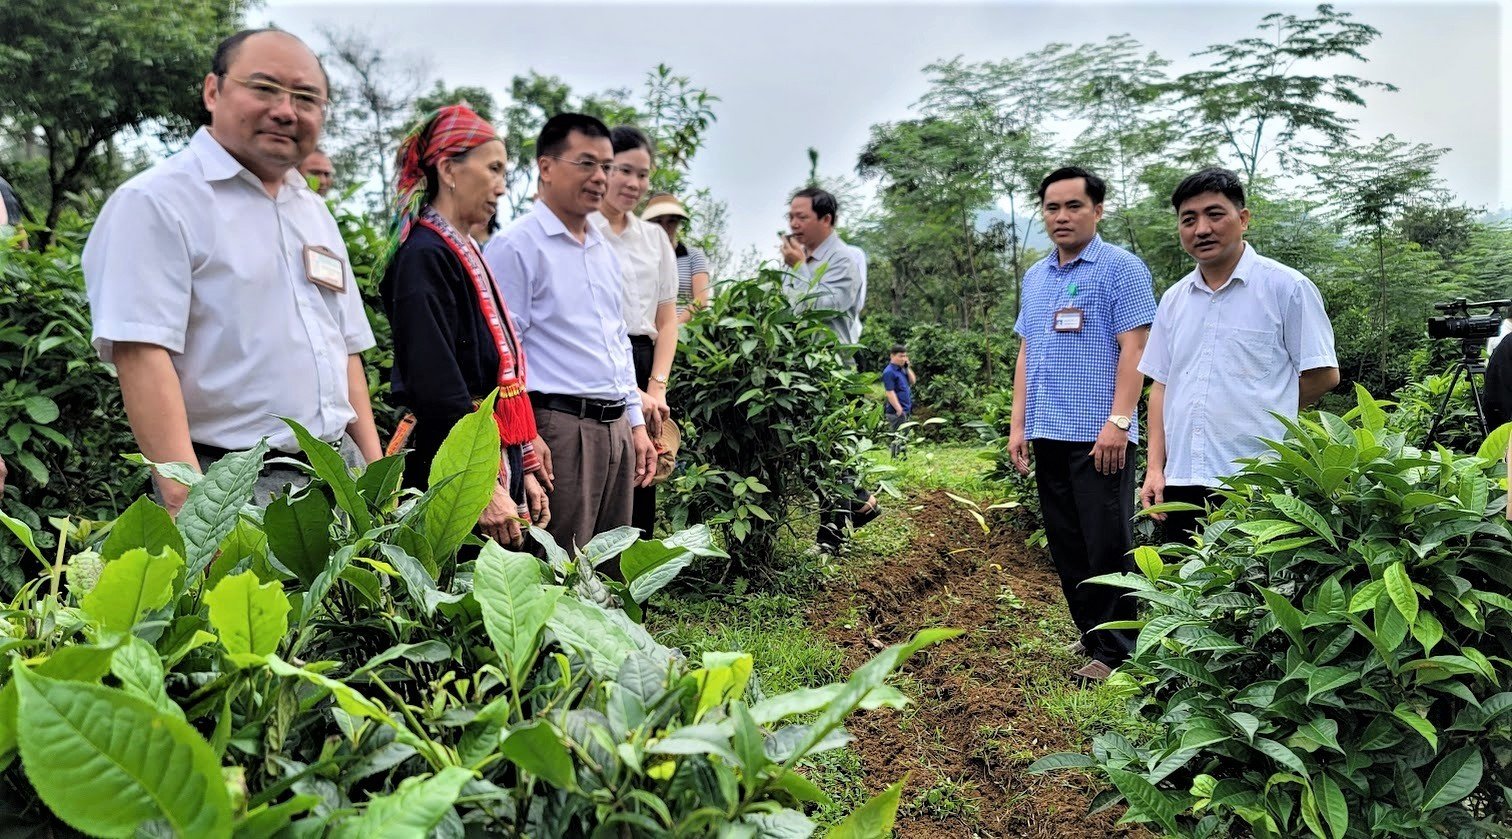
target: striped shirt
1070 376
693 261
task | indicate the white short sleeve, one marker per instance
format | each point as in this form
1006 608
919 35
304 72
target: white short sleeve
137 272
1309 334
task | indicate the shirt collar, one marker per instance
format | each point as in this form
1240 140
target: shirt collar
825 248
1090 253
1243 269
601 221
552 225
218 164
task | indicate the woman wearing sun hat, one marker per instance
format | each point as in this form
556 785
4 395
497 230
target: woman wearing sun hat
693 292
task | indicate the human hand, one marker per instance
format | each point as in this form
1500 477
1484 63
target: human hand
3 473
654 408
1018 450
545 475
1111 449
792 251
645 456
1153 491
174 494
500 519
537 502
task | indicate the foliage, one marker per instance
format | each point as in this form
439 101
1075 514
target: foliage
1330 661
1418 402
62 65
774 416
60 406
341 671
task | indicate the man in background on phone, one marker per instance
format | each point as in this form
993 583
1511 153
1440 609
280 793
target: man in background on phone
825 273
898 380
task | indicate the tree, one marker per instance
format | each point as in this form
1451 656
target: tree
76 76
439 96
1258 99
533 99
1371 187
373 93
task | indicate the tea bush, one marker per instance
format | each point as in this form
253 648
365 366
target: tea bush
773 415
327 667
1332 661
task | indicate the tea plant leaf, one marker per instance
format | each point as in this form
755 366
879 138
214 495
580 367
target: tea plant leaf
783 824
1456 776
608 545
1287 616
1146 803
70 738
470 458
299 533
1326 679
587 630
381 479
329 466
1428 631
875 818
215 502
1298 511
245 543
1061 760
132 586
137 665
1417 723
1399 587
1149 562
23 532
536 748
515 606
1280 754
1495 446
250 619
1331 803
144 525
412 810
1366 596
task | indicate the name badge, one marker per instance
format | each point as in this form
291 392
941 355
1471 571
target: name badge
1068 320
324 268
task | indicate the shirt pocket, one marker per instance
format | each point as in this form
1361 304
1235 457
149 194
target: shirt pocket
1251 354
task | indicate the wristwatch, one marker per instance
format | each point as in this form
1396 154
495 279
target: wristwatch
658 379
1121 421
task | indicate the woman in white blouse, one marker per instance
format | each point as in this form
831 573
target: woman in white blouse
650 287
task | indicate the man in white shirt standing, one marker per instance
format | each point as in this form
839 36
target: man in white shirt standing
1240 337
220 287
563 285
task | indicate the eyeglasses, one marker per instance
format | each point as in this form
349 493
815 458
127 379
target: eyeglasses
631 172
585 166
306 102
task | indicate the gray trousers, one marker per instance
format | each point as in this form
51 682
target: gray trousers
593 469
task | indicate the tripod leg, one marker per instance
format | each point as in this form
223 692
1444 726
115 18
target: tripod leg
1480 408
1438 417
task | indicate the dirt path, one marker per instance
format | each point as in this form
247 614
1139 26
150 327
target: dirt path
979 718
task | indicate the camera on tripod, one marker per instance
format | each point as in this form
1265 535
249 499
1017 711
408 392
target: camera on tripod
1458 323
1470 330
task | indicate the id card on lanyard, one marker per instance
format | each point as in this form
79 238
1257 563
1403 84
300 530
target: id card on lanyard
1069 318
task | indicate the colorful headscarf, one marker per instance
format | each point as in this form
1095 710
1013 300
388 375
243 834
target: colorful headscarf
450 131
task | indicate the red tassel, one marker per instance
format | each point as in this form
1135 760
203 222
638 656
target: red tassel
515 418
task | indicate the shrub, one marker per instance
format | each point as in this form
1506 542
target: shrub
330 668
1332 660
1416 404
773 417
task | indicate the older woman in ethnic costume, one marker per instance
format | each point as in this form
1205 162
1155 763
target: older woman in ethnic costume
454 341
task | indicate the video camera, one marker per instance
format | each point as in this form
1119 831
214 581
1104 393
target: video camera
1457 322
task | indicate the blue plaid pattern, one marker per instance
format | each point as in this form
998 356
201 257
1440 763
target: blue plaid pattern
1070 376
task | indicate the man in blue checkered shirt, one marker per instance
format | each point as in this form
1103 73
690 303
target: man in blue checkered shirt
1085 315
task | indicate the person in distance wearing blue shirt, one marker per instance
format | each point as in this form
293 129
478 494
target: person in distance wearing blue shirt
1083 321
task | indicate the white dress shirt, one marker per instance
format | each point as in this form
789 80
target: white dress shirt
194 256
645 253
1230 357
566 298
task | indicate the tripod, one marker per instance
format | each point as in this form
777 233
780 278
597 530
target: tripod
1468 365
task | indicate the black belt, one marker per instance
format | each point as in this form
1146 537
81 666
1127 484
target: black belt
594 409
211 453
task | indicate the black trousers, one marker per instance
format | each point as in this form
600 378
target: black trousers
643 499
1089 525
1180 527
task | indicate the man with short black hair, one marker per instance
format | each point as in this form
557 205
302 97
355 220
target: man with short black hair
897 383
563 284
317 164
1082 325
826 273
219 284
1239 339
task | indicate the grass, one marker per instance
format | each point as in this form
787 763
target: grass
954 467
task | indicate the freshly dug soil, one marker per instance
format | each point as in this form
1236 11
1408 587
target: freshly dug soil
973 730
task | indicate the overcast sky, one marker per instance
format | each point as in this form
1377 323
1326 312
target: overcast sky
793 75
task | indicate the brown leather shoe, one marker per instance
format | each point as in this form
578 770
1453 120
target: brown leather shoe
1076 647
1093 671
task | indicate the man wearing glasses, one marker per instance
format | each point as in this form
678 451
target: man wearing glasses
563 284
219 284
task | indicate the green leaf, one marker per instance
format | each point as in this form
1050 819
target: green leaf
250 619
515 606
1281 754
381 479
1149 562
299 534
875 818
144 525
1365 597
536 748
41 409
1494 448
1061 760
609 544
1145 801
1287 616
749 745
1298 511
106 761
245 543
329 466
132 586
1399 587
214 504
470 458
137 665
1325 679
1456 776
1417 723
23 532
410 812
587 630
1331 803
1428 631
266 821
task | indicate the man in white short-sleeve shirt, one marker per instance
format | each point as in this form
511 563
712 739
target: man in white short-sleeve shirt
1240 337
219 284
